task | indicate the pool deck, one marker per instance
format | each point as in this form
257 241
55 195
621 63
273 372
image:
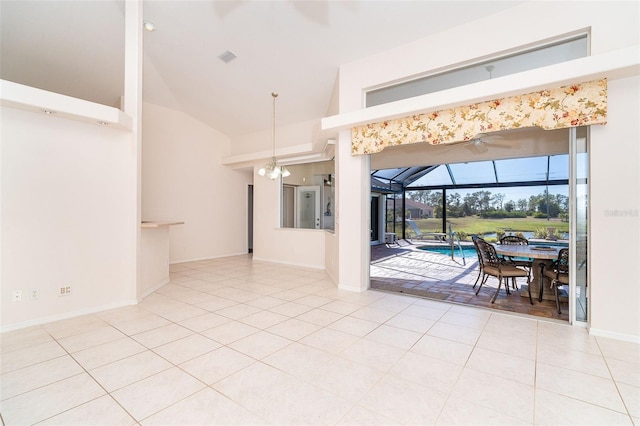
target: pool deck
404 268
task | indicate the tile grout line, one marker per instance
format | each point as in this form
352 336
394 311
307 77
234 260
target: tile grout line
615 382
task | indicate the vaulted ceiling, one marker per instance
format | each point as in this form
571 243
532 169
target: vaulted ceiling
291 47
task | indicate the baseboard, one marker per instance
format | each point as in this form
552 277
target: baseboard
614 335
289 263
154 288
65 315
198 259
331 277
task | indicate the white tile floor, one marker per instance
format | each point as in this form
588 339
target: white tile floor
236 341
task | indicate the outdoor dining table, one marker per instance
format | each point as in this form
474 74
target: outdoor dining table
541 255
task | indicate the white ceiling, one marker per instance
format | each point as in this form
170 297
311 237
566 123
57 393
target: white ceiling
292 47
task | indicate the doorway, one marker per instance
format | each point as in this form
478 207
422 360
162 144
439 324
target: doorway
308 207
513 163
375 219
250 219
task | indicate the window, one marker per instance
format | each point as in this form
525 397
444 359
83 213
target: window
555 53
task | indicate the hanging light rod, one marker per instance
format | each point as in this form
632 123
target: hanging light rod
272 170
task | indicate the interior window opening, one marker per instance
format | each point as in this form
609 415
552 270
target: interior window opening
308 196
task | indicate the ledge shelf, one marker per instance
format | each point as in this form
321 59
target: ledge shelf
158 223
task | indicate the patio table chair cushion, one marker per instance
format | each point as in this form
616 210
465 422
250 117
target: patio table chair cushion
562 278
507 271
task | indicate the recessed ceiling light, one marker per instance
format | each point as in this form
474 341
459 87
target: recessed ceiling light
48 111
149 26
227 56
103 123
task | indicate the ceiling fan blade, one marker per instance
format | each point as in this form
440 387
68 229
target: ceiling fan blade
499 145
505 144
477 147
450 146
491 137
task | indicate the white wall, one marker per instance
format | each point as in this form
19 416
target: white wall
296 143
183 179
612 26
331 255
154 260
302 247
68 216
289 138
353 216
615 221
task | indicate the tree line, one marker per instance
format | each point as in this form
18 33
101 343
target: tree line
487 203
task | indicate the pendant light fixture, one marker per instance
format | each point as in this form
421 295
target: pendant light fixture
272 170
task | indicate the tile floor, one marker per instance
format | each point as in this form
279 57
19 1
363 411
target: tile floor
236 341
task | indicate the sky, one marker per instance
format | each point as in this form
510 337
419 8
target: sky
511 170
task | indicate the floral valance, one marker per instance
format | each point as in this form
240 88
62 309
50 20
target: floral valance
568 106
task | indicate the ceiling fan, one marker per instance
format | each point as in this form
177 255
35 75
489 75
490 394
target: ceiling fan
483 141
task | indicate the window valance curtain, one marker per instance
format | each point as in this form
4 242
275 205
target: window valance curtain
568 106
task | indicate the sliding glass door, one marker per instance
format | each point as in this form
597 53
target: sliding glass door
579 224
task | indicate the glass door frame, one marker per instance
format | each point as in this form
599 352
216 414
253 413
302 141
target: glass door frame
573 227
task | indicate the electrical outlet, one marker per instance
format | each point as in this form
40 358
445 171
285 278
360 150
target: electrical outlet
65 291
35 294
17 296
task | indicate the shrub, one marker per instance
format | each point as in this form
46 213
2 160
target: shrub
502 214
499 234
494 214
520 234
462 235
539 215
541 233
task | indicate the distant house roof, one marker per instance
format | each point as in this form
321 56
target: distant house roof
410 204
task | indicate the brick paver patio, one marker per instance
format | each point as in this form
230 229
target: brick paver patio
406 269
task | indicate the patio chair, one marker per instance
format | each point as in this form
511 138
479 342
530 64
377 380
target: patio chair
419 235
480 272
492 265
558 274
516 240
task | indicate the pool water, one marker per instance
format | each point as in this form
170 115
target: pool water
469 251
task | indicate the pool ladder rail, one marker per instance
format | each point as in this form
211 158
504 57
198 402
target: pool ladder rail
453 239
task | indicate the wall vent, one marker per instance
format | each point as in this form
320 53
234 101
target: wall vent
227 56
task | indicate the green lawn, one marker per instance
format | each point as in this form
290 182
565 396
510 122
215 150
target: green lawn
476 225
